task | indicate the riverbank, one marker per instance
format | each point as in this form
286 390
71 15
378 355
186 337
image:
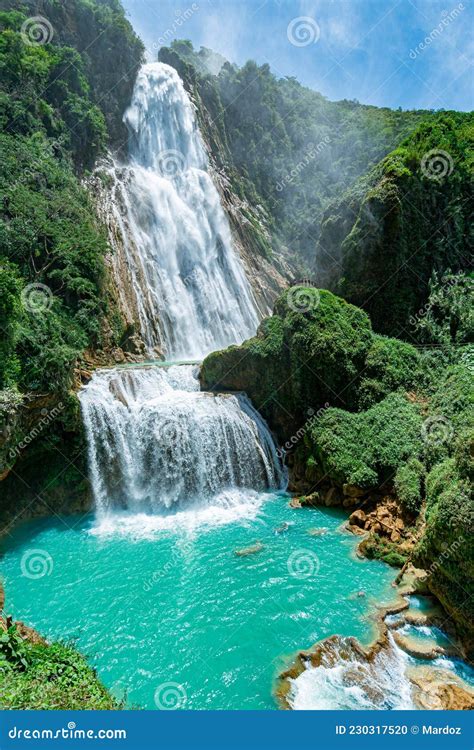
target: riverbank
36 674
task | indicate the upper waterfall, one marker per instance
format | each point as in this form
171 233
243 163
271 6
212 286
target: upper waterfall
190 291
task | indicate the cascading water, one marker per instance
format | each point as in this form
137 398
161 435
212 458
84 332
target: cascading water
350 682
189 290
156 443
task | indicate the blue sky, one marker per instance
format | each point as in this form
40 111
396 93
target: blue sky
356 49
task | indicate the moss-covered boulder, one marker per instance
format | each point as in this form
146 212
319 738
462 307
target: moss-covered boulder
310 352
315 351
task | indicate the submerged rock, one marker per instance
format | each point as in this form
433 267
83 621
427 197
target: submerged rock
356 595
252 550
295 502
317 531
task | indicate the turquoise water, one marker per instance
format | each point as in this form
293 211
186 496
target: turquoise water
177 605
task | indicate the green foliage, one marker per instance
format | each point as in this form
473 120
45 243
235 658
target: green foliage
310 352
13 650
10 311
447 548
287 148
390 365
46 677
316 349
366 448
77 86
382 241
409 484
60 103
45 90
376 548
49 237
450 424
447 319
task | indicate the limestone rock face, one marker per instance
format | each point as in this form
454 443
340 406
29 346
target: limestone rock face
358 518
436 691
351 490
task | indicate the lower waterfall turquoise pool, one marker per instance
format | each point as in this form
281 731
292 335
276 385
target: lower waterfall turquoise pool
171 616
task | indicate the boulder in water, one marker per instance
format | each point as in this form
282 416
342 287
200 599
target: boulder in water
317 531
252 550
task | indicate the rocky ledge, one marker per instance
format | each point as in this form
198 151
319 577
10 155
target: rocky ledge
368 669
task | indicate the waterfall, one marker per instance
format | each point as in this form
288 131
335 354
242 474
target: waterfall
170 233
157 443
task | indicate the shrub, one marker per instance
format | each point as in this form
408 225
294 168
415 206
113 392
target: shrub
408 484
46 677
390 365
367 449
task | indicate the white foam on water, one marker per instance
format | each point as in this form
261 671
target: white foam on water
382 684
163 453
228 507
